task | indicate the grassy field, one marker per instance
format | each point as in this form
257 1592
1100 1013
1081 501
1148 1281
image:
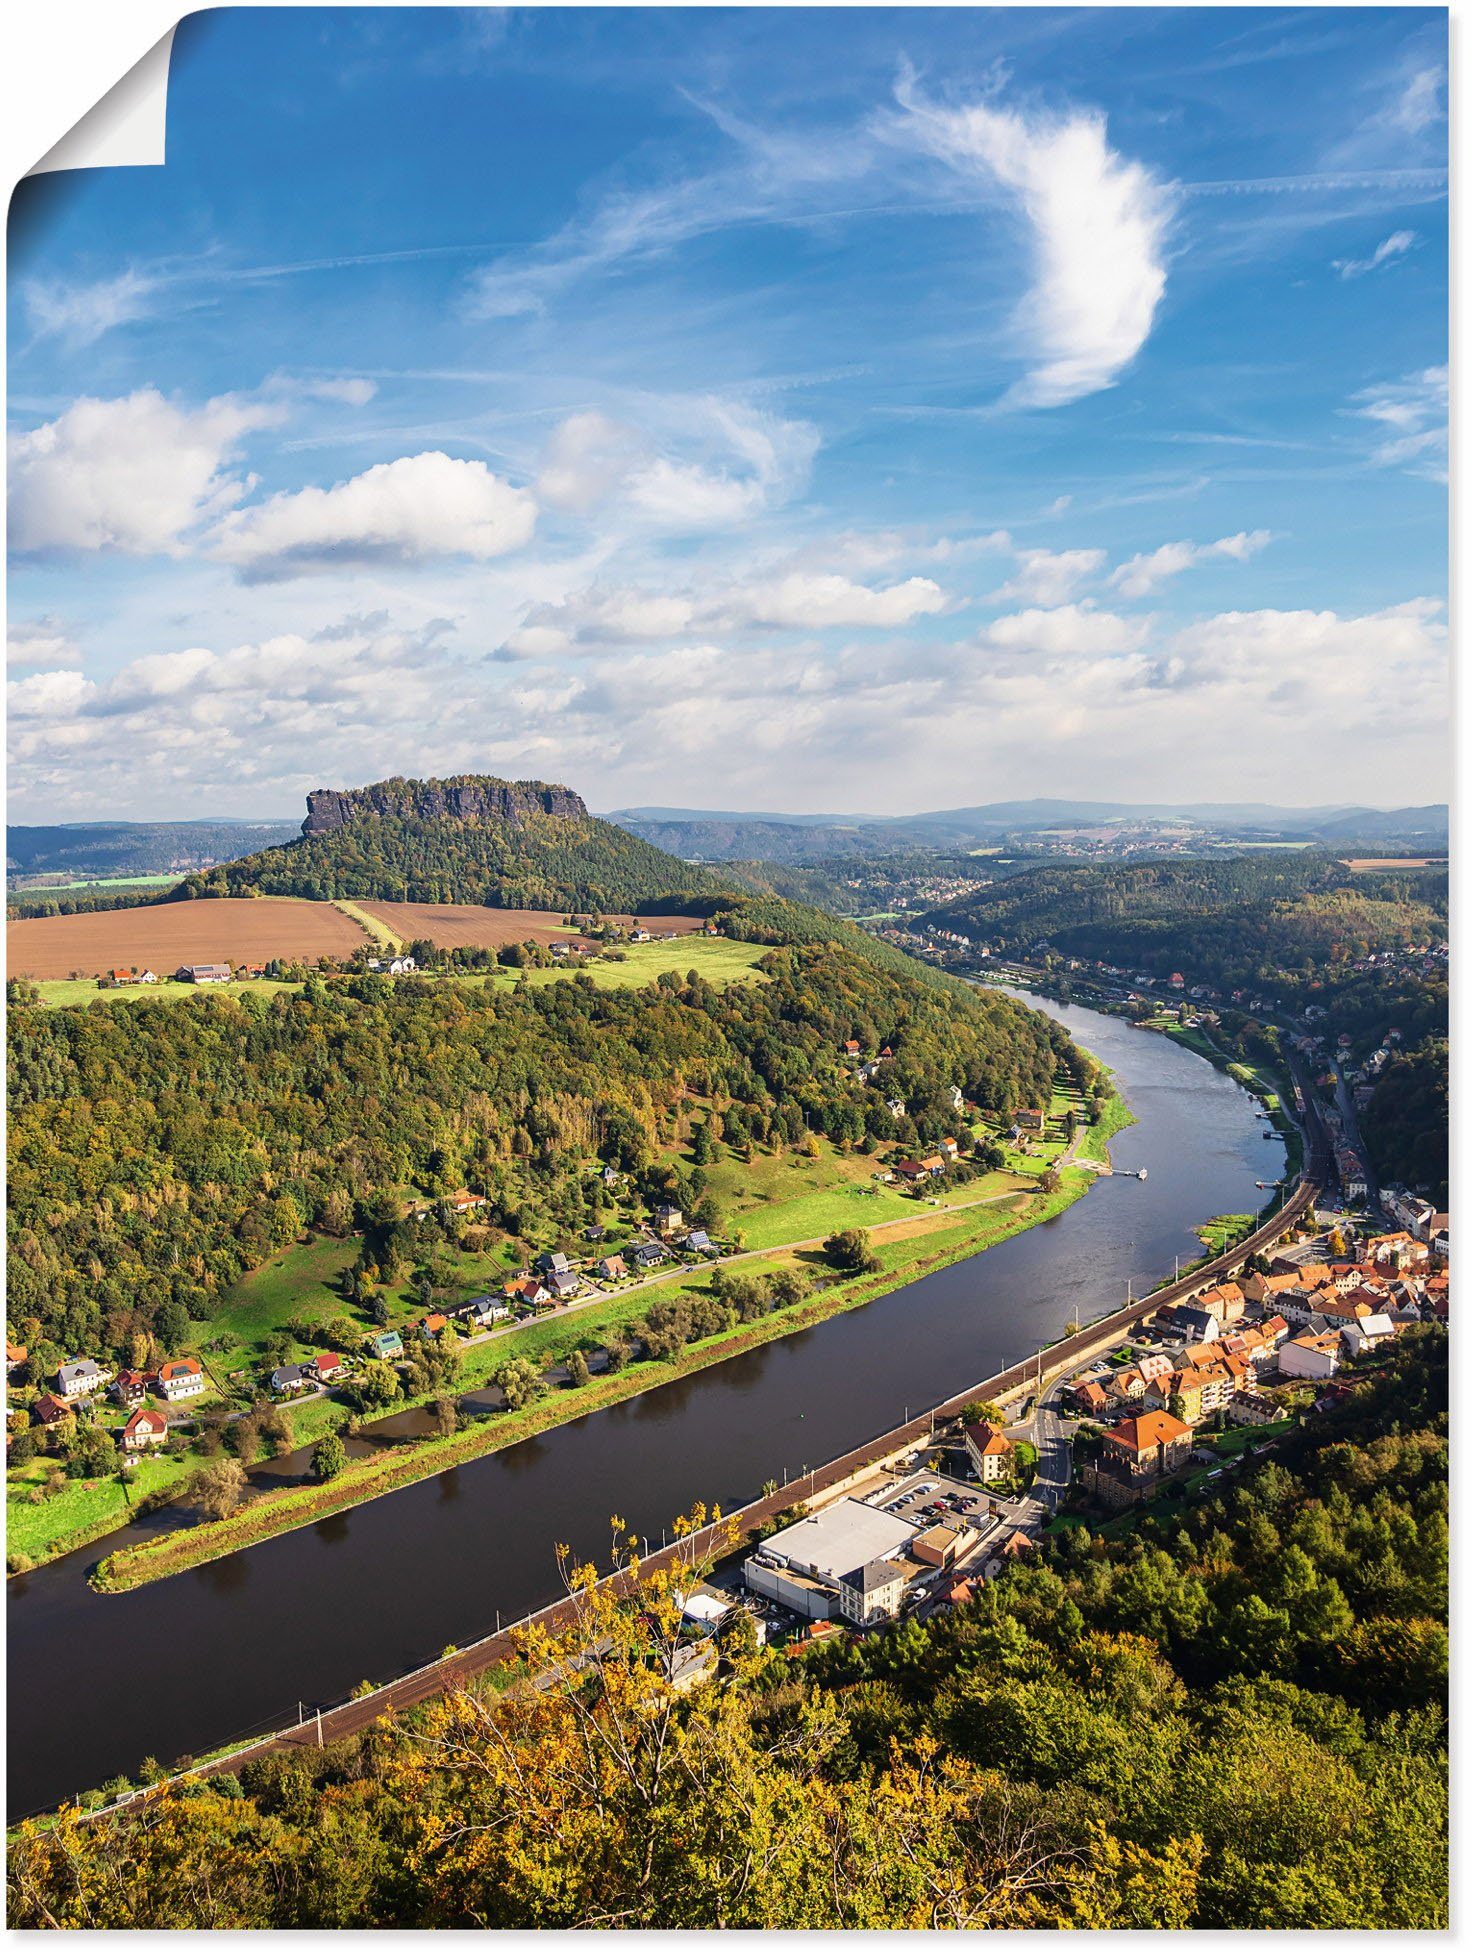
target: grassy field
111 884
64 990
381 933
718 960
84 1508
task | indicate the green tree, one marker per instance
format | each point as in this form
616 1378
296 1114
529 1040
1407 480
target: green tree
329 1457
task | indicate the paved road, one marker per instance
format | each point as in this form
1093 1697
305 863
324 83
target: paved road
1351 1127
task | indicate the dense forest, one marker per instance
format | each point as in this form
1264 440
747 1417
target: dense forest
159 1149
1235 1720
1298 922
519 844
1115 901
1407 1123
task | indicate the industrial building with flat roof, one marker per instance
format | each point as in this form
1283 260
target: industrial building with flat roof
851 1559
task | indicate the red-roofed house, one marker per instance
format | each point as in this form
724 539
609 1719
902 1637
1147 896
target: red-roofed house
328 1365
989 1451
180 1378
144 1429
1148 1445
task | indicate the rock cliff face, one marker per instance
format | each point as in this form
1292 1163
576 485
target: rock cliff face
468 797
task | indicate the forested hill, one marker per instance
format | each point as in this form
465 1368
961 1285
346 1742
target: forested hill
508 844
1232 919
1045 902
159 1150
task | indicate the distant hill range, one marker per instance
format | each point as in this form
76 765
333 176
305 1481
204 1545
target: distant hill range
504 843
125 847
699 835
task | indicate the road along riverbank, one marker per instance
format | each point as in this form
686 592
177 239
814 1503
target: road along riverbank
185 1665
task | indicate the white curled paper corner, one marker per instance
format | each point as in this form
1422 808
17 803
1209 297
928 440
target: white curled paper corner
127 127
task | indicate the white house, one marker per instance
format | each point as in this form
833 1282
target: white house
75 1379
1366 1334
180 1378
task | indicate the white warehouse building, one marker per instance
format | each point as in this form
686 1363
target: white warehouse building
850 1560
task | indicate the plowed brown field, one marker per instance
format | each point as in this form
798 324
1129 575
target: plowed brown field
160 939
452 926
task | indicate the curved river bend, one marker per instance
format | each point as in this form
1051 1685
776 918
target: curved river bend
181 1667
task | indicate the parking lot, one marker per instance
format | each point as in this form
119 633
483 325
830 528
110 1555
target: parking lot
933 1500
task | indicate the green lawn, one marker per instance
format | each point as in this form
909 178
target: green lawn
381 933
300 1282
83 1509
65 990
718 960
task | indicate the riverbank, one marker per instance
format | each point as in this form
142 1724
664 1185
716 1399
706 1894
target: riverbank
901 1261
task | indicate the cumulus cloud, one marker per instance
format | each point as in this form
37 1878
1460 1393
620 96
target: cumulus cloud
1048 577
40 640
1098 225
1069 691
1071 630
416 509
762 461
136 474
793 599
1385 252
1144 573
1410 418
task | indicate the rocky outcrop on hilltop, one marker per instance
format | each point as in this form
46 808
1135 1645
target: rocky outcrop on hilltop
469 797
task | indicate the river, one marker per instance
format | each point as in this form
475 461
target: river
189 1663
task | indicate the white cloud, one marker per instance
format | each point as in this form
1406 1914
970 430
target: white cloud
585 460
1411 418
897 725
1144 573
1385 252
1049 577
80 314
415 509
762 462
1303 655
1098 230
717 462
793 599
1072 630
47 695
350 392
136 474
41 640
1419 105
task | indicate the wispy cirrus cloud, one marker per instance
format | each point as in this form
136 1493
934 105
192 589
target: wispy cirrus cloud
1410 417
1098 224
79 313
1387 251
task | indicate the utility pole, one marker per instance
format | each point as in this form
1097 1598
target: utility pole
319 1728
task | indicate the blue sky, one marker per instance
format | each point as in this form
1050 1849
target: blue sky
869 410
